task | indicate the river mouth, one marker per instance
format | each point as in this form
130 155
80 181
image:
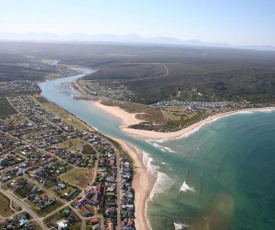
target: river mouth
220 176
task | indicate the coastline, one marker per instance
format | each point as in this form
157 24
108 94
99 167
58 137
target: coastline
143 184
130 119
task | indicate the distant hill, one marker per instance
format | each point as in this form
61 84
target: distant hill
131 38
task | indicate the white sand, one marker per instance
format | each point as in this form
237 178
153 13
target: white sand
142 182
130 119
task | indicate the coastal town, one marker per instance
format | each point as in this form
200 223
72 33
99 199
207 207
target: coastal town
57 174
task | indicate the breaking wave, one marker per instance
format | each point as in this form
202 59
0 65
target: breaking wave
180 226
162 184
185 187
147 161
160 147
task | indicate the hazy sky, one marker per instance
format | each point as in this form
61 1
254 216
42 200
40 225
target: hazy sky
240 22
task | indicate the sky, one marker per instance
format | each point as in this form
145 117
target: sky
237 22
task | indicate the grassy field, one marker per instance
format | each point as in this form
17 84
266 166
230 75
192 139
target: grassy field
178 113
79 177
5 210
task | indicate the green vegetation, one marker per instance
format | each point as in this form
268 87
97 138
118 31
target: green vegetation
187 121
5 107
128 72
12 72
195 73
5 210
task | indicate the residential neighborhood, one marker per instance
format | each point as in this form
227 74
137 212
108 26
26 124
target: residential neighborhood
55 175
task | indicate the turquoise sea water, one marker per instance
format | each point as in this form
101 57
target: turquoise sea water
220 177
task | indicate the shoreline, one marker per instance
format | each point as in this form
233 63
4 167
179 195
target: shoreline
143 184
130 119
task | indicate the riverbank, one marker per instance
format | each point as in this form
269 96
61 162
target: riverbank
130 119
143 183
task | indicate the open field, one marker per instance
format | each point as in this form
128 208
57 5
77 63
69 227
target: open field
5 210
178 113
79 177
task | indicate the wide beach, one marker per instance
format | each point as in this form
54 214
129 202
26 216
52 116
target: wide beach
142 178
130 119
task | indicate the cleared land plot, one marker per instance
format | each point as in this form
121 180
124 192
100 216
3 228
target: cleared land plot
5 210
73 145
79 177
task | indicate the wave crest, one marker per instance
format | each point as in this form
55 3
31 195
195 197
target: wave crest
185 187
179 226
162 184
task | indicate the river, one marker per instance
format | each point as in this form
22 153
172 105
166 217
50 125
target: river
222 176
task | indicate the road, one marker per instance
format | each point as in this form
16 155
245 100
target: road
25 207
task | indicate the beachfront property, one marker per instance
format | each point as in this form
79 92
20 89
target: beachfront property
39 153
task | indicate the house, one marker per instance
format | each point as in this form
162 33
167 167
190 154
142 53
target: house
87 211
62 225
94 220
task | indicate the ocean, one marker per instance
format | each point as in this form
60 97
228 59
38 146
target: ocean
220 177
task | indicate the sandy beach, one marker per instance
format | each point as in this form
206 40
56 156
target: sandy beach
126 118
142 183
130 119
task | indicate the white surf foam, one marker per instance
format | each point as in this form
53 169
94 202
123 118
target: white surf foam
162 140
185 187
245 112
163 183
160 147
266 110
179 226
147 161
169 150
